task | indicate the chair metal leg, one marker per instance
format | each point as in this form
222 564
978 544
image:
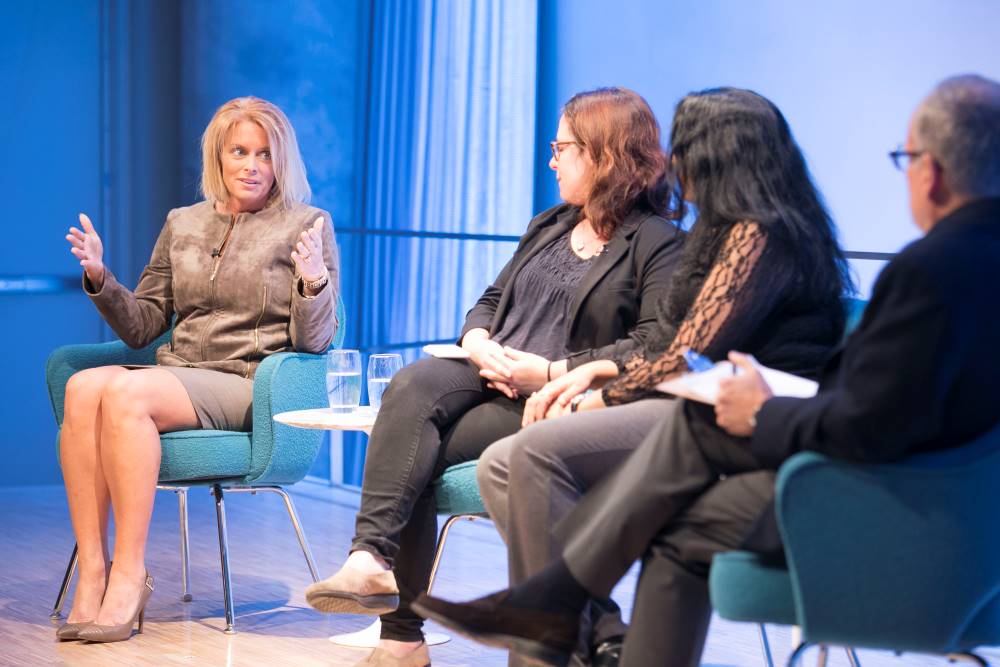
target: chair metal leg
227 583
439 551
852 657
968 657
56 613
185 545
293 515
797 654
765 646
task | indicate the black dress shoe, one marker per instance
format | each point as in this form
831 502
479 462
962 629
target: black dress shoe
542 637
607 653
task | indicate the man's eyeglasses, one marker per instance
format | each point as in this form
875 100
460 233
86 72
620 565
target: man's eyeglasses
901 158
557 147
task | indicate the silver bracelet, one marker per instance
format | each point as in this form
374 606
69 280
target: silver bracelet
318 284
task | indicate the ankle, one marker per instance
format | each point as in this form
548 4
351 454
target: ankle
397 648
366 562
553 589
92 569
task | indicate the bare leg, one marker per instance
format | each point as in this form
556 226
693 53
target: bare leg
137 407
86 488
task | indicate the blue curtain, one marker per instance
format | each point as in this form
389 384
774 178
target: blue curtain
450 170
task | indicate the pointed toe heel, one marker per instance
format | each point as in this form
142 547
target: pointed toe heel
117 633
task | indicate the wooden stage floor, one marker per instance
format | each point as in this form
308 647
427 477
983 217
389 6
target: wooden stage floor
275 626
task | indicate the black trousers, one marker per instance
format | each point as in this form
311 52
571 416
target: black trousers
688 492
436 413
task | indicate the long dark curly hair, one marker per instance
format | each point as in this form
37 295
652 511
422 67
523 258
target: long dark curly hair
619 133
737 161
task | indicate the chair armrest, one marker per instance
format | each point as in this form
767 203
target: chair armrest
64 361
283 454
909 548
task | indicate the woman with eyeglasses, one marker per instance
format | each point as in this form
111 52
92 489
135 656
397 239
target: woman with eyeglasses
582 285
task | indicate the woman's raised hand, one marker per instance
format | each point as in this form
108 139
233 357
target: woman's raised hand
308 253
86 246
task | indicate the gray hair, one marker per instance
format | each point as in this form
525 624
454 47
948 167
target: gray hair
959 125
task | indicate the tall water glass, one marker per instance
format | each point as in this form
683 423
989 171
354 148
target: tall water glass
343 380
381 368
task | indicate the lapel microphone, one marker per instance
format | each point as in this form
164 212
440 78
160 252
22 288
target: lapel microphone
216 253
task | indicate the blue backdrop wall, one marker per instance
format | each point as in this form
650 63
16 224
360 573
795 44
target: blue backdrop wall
846 75
424 126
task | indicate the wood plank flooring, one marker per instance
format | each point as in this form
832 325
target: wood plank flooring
275 626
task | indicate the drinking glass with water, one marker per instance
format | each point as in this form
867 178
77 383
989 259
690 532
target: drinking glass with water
343 380
381 368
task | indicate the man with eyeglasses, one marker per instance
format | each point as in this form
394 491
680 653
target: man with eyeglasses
920 373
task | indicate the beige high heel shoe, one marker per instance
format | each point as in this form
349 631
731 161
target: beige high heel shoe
68 632
117 633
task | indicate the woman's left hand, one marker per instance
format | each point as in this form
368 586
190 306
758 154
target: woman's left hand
308 253
528 372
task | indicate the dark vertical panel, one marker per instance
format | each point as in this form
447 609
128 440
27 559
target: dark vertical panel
546 103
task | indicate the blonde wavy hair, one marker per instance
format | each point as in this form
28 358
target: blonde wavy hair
290 186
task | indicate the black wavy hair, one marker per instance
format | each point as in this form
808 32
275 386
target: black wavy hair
737 161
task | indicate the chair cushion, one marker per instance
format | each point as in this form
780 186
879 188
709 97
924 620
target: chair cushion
457 492
204 455
744 588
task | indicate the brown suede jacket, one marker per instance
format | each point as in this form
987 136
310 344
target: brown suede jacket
231 283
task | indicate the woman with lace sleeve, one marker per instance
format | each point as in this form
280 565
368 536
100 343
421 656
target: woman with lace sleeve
761 271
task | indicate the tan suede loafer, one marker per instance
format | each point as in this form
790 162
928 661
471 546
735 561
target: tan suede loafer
350 591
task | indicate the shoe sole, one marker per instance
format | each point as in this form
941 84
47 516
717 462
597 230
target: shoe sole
535 652
342 602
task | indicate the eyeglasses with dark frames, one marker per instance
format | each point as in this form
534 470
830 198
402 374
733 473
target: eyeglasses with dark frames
557 147
902 158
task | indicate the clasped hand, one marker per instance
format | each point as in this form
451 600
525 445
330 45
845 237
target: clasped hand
509 371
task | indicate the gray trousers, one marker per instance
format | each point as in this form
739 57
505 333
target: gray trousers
688 491
531 480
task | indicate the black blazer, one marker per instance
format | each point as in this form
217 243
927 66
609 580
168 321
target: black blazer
615 306
921 372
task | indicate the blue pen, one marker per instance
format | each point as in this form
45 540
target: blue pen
697 363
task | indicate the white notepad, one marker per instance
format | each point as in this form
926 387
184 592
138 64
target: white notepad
446 351
704 386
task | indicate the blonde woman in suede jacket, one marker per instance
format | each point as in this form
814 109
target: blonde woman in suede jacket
250 271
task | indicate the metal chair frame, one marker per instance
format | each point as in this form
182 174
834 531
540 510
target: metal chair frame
218 492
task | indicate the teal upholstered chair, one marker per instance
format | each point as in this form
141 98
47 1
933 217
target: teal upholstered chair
270 456
902 556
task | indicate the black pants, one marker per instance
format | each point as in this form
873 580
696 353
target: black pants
688 492
436 413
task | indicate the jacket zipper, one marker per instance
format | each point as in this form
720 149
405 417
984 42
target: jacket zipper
211 280
256 332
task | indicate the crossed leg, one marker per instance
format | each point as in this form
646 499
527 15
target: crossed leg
110 450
